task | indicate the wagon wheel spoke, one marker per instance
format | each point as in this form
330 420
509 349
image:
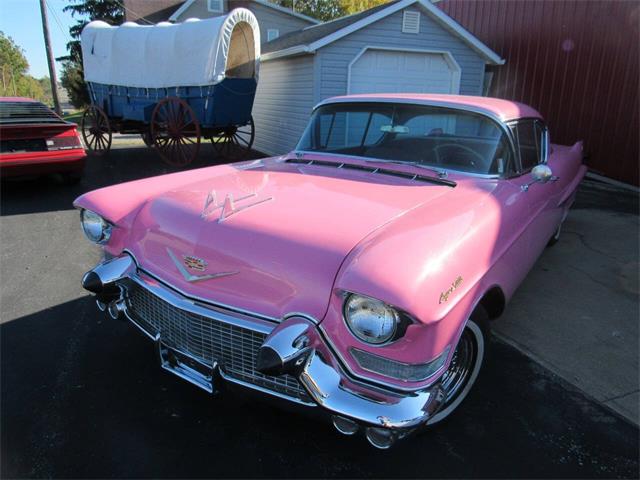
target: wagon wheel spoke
96 131
173 123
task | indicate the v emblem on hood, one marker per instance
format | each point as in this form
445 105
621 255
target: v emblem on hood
189 277
228 206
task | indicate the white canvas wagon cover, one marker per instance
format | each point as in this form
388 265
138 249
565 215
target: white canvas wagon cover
193 53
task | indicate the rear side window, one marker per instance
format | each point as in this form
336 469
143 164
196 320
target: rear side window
529 137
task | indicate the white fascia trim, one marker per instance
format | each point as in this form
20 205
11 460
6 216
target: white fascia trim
287 52
266 3
489 55
183 8
451 61
385 12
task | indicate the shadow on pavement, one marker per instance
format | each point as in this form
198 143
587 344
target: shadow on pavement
83 396
22 196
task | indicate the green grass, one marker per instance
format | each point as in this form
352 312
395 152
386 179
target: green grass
74 117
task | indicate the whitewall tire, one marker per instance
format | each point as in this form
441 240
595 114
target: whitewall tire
465 365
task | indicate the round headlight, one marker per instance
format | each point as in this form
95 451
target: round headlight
96 228
370 320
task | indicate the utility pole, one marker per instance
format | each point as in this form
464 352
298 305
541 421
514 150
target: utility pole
52 66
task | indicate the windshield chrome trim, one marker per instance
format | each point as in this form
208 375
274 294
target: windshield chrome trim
502 124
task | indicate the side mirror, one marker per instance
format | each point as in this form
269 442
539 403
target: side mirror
541 173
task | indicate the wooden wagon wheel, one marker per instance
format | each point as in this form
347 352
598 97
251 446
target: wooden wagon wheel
146 138
234 142
175 131
96 130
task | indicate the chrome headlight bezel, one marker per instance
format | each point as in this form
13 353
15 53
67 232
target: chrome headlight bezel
95 227
394 330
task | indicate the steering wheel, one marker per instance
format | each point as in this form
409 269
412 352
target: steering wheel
442 159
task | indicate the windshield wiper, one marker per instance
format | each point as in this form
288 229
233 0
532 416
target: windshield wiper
440 173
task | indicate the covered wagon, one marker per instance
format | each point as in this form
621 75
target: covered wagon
173 83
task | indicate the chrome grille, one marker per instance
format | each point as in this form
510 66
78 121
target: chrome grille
208 340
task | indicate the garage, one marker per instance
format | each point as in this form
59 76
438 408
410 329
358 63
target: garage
384 71
407 46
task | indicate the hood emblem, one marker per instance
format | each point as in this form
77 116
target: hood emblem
228 206
196 264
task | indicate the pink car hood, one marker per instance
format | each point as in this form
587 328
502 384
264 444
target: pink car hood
290 228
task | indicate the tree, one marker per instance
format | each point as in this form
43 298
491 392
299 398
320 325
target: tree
324 10
355 6
72 78
14 80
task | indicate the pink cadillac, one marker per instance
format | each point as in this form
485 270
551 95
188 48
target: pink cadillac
356 275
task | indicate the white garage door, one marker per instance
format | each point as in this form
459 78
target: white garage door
383 71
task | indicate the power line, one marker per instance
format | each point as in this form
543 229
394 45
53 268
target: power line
57 20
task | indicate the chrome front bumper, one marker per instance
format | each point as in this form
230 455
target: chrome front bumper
228 343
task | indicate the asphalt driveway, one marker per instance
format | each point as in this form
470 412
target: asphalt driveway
82 395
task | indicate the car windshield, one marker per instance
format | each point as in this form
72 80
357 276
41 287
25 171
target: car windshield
438 137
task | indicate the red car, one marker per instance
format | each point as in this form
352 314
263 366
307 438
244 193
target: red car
34 141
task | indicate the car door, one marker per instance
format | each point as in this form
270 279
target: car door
532 143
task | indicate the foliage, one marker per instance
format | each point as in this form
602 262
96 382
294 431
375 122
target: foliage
354 6
72 78
326 10
14 80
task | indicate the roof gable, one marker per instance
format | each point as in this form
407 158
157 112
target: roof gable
265 3
314 37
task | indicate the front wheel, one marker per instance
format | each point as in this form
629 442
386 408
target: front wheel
465 365
556 236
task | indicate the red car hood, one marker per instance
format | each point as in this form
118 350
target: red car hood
281 240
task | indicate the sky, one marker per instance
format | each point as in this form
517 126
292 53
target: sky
20 19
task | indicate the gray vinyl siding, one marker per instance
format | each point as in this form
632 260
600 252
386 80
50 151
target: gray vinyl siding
283 103
269 18
198 9
334 59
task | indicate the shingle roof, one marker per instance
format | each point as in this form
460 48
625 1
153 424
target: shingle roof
316 32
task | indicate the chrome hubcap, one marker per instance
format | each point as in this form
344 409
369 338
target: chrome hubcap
462 363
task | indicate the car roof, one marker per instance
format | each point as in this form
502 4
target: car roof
18 99
504 110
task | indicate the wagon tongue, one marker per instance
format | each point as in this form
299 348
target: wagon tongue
264 241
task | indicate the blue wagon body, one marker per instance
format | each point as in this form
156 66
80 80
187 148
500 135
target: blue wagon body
174 84
228 103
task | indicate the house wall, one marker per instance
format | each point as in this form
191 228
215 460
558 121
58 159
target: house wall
267 17
334 59
577 62
283 103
